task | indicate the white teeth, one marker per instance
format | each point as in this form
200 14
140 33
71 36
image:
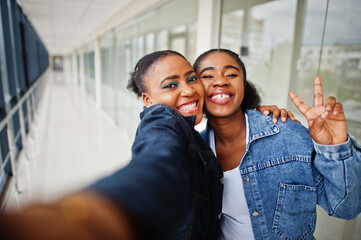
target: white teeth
187 107
220 96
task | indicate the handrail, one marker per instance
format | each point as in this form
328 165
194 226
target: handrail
10 114
6 122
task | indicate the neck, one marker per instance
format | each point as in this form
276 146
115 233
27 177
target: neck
229 129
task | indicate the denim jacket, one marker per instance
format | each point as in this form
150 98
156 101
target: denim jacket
285 174
172 186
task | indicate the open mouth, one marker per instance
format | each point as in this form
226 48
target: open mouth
189 107
221 97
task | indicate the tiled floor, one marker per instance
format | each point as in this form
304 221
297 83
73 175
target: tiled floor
72 143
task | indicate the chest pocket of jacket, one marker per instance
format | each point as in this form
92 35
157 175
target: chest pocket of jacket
295 215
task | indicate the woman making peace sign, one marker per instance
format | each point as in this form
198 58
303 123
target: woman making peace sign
276 174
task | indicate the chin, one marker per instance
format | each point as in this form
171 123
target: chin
198 119
218 114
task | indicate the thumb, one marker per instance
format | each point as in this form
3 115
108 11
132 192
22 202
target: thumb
317 125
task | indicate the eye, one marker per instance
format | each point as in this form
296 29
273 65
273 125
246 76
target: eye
191 78
232 75
170 85
207 76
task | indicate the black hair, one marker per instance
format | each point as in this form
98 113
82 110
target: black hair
251 99
136 82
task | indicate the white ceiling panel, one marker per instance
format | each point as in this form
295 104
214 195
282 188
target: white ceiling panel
63 23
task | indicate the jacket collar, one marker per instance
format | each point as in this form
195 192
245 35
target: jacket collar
190 120
259 126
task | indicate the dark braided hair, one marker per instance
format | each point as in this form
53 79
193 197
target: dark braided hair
136 82
251 99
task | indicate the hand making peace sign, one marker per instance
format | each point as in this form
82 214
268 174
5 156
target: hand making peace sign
326 123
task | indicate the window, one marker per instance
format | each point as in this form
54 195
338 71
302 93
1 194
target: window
280 57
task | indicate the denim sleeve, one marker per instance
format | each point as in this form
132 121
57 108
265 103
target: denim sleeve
153 187
339 190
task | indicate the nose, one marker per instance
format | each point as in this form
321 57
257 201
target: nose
220 81
187 90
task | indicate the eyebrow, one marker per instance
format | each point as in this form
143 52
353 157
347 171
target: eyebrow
206 69
231 66
177 76
189 72
225 67
169 78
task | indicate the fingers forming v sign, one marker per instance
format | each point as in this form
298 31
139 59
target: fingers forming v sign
326 123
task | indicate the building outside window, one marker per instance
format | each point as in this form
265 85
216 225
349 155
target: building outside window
281 43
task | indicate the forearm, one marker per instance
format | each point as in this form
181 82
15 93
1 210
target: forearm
340 189
81 216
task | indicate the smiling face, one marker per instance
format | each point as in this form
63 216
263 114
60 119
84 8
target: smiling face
173 82
222 78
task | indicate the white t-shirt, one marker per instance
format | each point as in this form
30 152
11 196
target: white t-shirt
235 222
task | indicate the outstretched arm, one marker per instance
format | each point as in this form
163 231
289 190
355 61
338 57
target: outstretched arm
326 123
85 215
135 202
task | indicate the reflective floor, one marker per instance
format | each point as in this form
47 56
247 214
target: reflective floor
72 143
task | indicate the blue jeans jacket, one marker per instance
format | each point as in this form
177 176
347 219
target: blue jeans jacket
285 174
172 186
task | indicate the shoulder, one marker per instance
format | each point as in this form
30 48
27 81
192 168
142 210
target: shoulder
292 126
164 119
160 111
289 129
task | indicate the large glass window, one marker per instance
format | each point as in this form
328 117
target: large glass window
281 42
339 63
170 26
107 74
89 70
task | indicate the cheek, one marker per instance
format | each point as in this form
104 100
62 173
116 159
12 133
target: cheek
171 99
205 87
166 98
200 90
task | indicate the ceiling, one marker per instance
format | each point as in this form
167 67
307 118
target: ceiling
63 23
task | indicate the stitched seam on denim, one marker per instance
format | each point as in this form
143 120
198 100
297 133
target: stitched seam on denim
302 237
277 216
207 154
339 156
275 163
346 192
197 186
318 180
254 137
191 220
297 187
295 213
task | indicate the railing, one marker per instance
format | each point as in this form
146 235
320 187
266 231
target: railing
8 162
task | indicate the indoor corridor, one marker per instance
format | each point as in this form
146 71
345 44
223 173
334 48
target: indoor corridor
68 119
